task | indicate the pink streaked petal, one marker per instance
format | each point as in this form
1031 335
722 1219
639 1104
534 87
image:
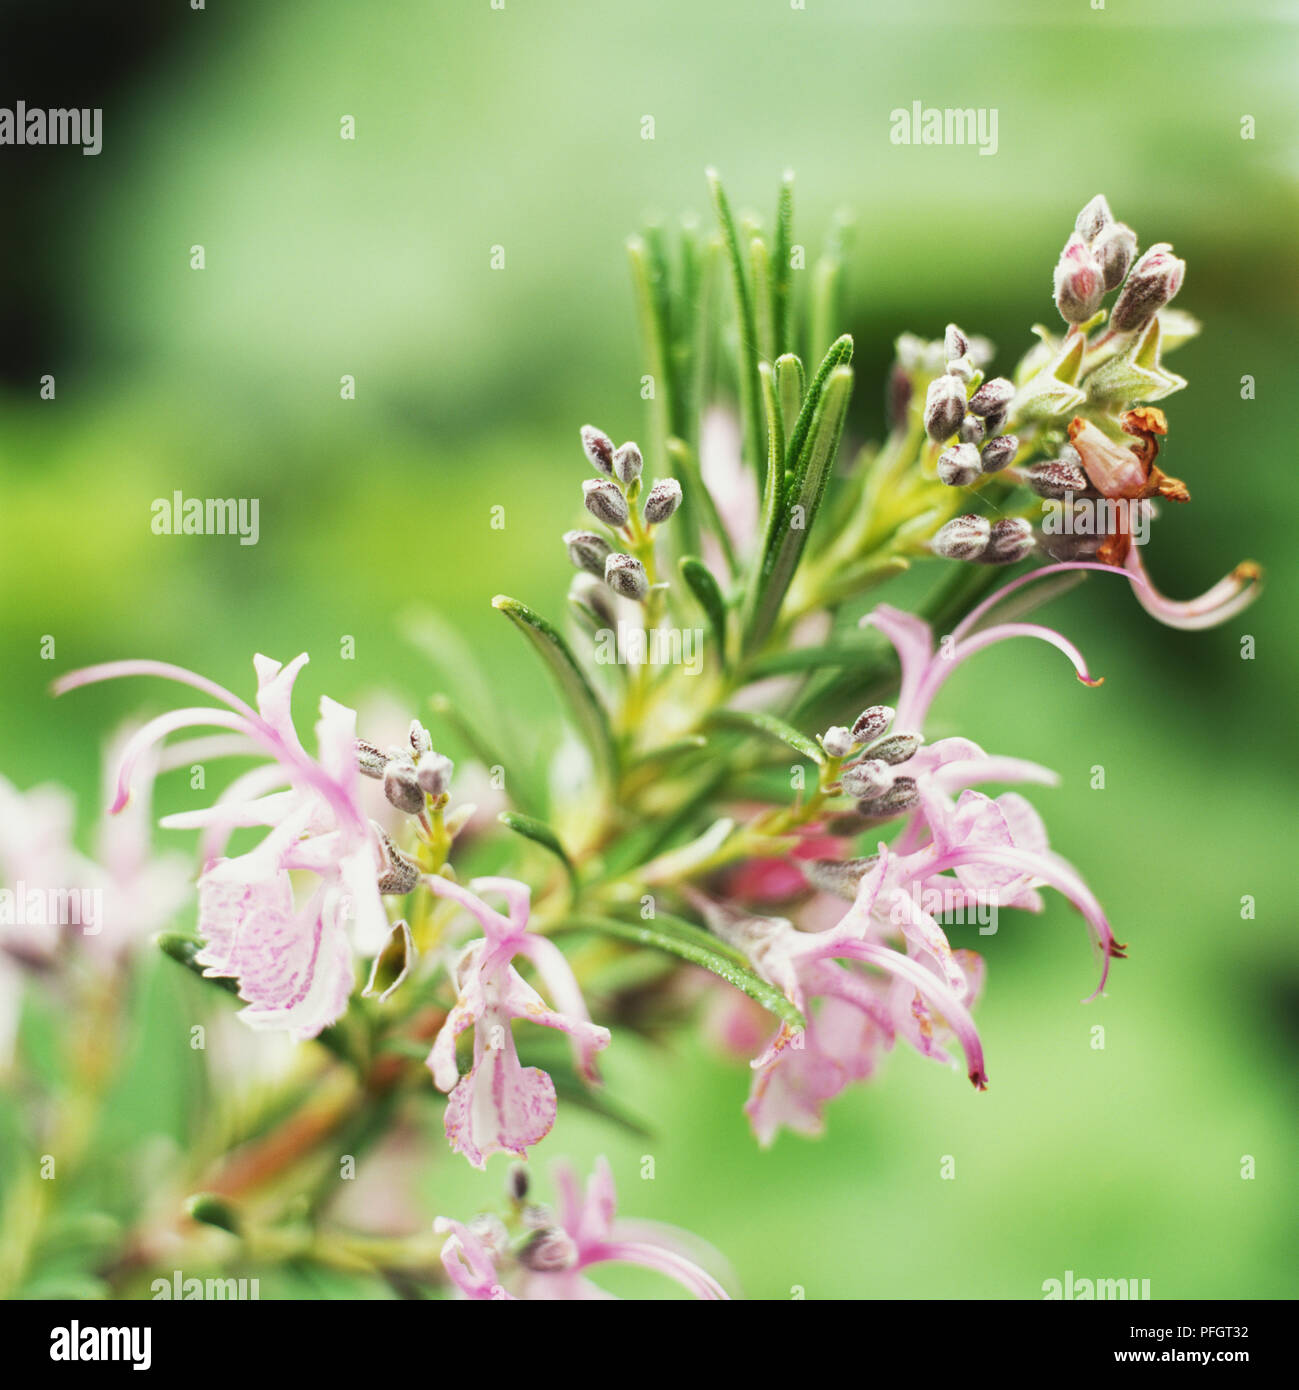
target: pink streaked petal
557 975
520 1000
518 897
953 776
144 738
494 926
441 1060
972 617
1229 596
930 987
500 1106
689 1275
914 643
467 1262
275 694
600 1204
924 934
112 670
1056 873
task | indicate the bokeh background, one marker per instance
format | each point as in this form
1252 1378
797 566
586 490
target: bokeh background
521 127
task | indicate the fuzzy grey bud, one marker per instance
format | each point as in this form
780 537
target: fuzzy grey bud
605 502
421 741
838 742
401 786
972 430
963 538
898 397
955 343
549 1251
434 774
901 796
625 575
1011 540
895 748
1154 280
996 421
593 594
587 551
1056 478
995 394
627 463
998 452
1114 248
370 758
867 779
664 498
398 874
598 448
944 407
959 466
839 876
871 723
1079 283
1094 218
517 1182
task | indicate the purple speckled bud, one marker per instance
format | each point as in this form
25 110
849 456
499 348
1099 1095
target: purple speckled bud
1011 540
944 407
998 452
598 447
959 466
963 538
871 723
1154 280
605 502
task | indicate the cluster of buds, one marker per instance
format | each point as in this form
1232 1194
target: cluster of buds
414 779
610 499
873 779
1098 257
974 537
960 405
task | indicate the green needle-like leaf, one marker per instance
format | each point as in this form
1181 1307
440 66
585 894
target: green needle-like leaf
750 389
690 943
756 721
588 714
704 587
540 833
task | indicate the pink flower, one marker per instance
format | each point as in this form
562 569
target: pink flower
293 961
499 1105
553 1263
924 998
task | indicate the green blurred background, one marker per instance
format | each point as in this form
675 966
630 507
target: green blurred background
521 128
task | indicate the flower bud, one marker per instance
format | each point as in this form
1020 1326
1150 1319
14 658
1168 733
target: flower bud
998 452
549 1251
598 448
1094 218
871 723
401 786
901 796
898 397
1079 282
605 501
587 551
370 758
627 463
1154 280
895 748
594 594
434 775
963 538
421 741
865 780
517 1182
944 407
995 422
994 395
839 876
1114 248
1056 478
1011 540
972 430
399 877
959 466
838 742
625 575
955 343
664 498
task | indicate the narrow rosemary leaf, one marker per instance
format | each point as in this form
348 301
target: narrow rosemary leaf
540 833
587 712
704 587
757 721
697 947
781 270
